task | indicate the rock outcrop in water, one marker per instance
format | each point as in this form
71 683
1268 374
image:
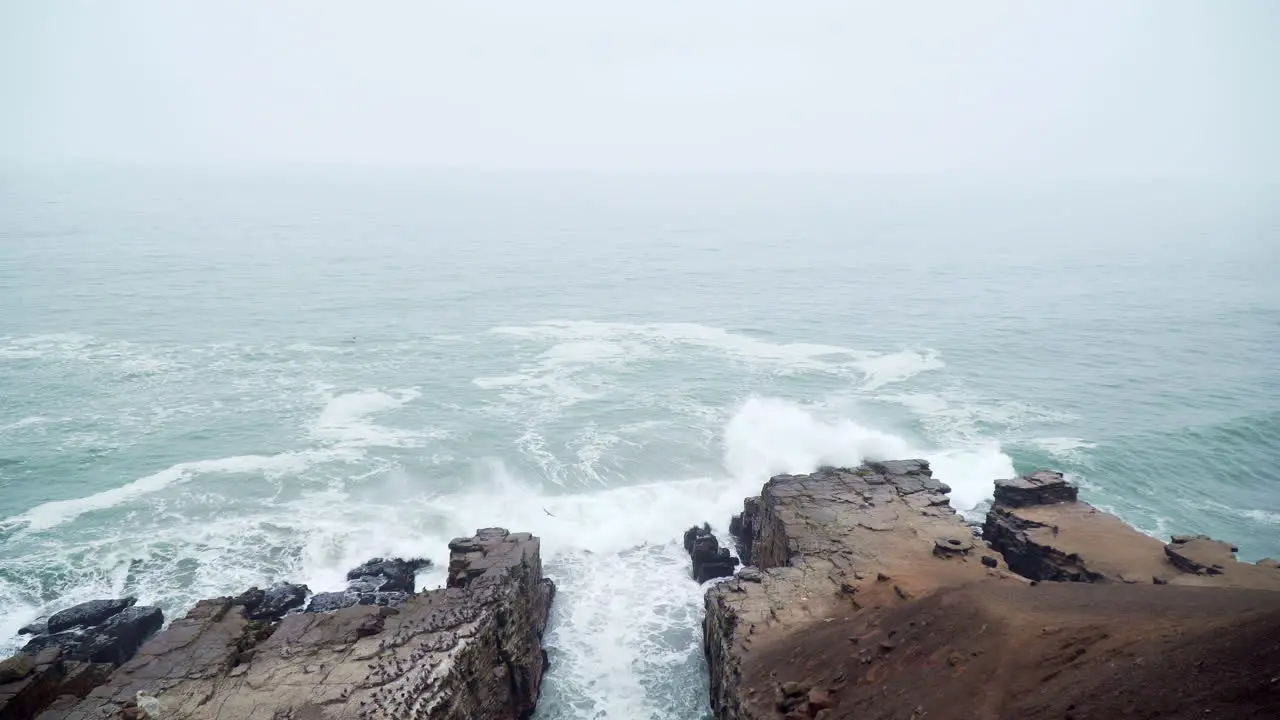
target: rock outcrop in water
472 650
710 561
97 631
870 598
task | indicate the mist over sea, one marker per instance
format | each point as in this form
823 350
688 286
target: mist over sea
210 380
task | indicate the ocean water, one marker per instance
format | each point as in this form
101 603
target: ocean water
212 380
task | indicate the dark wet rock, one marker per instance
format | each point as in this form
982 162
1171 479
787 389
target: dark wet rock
1040 488
381 581
280 599
990 561
709 559
250 599
39 627
331 601
87 614
274 602
67 642
742 527
387 575
114 641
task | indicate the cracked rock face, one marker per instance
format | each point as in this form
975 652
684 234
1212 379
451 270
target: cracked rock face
469 651
822 547
1046 534
869 598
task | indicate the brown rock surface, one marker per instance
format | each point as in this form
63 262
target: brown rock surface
825 546
30 683
1069 540
1009 651
870 600
472 650
1045 487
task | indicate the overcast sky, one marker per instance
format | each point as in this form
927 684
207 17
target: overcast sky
1163 87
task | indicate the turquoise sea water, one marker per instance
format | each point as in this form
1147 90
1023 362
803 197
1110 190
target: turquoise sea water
212 380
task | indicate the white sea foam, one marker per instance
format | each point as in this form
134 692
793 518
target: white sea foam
897 367
566 373
660 335
626 609
52 514
1067 448
770 436
344 423
345 420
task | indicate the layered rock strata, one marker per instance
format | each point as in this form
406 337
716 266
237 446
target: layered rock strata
1046 533
870 599
472 650
824 547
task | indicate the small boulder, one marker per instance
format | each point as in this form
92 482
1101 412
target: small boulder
820 699
114 641
39 627
274 602
387 575
118 639
280 599
87 614
1269 563
1040 488
250 599
952 545
709 559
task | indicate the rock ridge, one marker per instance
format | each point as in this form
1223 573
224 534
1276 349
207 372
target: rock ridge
469 650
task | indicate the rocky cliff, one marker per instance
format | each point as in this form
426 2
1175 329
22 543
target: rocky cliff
472 650
1046 533
868 597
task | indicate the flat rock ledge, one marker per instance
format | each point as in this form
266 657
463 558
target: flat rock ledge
1045 533
868 597
469 651
824 547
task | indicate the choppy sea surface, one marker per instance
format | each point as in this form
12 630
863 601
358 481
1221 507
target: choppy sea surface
213 380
